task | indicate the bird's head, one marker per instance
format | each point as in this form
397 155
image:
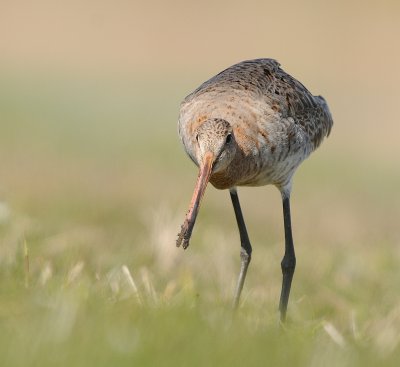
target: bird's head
215 150
215 144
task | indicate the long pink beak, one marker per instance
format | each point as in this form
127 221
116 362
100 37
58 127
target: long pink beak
200 188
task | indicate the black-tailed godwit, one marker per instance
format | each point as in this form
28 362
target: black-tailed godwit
251 125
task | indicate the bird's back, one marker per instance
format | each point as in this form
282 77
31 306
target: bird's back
264 79
266 107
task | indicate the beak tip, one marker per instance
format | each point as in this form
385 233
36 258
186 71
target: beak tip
183 236
182 241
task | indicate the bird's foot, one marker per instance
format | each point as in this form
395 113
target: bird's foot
184 235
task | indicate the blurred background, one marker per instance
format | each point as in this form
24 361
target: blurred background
94 185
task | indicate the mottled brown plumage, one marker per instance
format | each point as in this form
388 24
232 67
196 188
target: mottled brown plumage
250 125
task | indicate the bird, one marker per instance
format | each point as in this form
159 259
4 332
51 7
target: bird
252 124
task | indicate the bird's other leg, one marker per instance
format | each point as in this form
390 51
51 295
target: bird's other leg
245 251
288 263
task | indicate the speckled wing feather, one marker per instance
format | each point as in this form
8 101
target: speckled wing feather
295 101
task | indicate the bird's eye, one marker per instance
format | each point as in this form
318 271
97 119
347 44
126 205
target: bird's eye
197 137
228 138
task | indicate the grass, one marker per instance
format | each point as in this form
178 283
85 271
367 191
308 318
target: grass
88 195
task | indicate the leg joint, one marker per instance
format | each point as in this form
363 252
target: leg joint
245 254
288 263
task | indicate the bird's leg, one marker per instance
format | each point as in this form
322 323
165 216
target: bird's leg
245 252
288 263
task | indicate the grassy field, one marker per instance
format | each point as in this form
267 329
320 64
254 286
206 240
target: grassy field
93 188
